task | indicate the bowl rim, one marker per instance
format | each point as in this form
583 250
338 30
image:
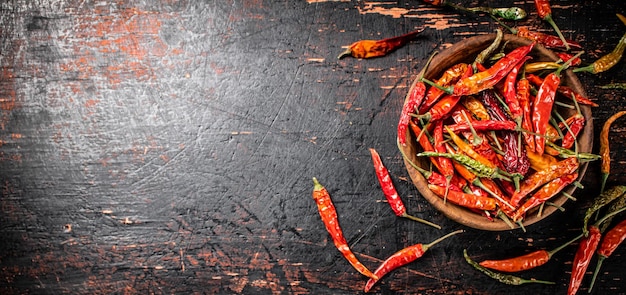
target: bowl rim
449 57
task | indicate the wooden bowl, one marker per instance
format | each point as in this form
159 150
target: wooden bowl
466 51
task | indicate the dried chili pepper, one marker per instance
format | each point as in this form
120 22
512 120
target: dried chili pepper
390 192
603 199
586 248
606 62
474 106
378 48
500 277
605 152
448 77
523 97
564 56
412 102
539 162
508 13
612 239
441 109
541 177
483 55
487 125
460 198
545 193
534 67
328 214
546 40
480 169
545 12
403 257
509 92
526 261
487 79
445 164
572 126
563 90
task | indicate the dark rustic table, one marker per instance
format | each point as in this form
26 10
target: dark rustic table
168 147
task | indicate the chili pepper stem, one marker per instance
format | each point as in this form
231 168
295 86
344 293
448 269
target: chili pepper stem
605 176
559 248
427 246
411 217
596 271
448 90
548 18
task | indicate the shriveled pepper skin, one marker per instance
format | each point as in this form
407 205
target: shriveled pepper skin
586 249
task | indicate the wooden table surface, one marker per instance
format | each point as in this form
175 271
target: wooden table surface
167 147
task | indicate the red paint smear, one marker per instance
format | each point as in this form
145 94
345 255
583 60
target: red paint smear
7 90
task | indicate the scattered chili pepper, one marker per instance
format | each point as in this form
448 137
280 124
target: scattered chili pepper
564 56
526 261
546 40
463 199
328 214
500 277
572 126
545 193
606 62
448 77
403 257
603 199
586 248
377 48
390 192
508 13
612 239
545 12
539 178
605 153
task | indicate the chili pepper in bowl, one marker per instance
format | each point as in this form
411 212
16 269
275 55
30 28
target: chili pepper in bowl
539 178
605 153
403 257
612 239
526 261
412 102
544 194
545 13
378 48
328 214
448 77
390 192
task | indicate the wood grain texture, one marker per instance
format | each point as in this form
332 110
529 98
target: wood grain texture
168 147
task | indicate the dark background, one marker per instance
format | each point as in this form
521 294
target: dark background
168 147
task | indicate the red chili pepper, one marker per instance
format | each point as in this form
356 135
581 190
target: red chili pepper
542 109
390 192
545 193
489 78
451 75
586 248
575 124
523 96
525 262
463 199
441 109
445 164
563 90
539 178
476 107
377 48
414 100
545 12
509 92
564 56
488 125
328 214
612 239
546 40
404 257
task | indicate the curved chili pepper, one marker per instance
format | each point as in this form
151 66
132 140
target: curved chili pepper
603 199
586 248
463 199
448 77
526 261
328 214
572 126
606 62
545 12
390 192
487 125
509 92
414 100
474 106
546 40
441 109
564 56
539 162
545 193
563 90
542 108
534 67
502 278
523 96
378 48
605 153
487 52
480 169
489 78
539 178
403 257
447 169
612 239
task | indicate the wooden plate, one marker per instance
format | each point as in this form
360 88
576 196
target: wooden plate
466 51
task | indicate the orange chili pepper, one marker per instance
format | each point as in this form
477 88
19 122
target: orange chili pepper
377 48
328 214
464 199
546 192
605 166
541 177
451 75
